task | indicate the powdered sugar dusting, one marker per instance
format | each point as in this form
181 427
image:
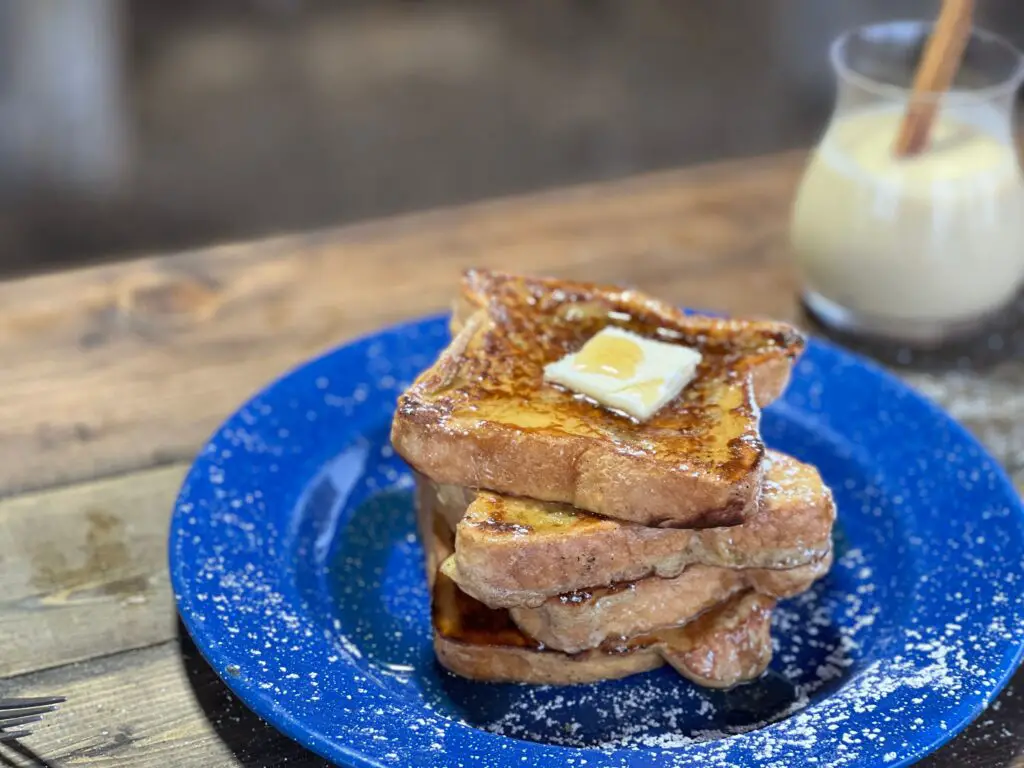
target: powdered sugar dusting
297 571
799 625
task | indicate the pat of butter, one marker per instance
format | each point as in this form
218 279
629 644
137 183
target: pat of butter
626 372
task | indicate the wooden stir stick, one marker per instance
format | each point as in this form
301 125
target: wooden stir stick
934 75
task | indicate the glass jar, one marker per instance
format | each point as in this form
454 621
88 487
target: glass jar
921 248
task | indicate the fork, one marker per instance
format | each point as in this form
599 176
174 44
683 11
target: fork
15 713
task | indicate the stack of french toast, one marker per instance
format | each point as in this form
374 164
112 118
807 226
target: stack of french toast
593 493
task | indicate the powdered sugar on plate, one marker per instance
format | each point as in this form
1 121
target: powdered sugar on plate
296 570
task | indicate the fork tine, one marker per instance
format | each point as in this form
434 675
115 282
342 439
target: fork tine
18 712
45 701
23 711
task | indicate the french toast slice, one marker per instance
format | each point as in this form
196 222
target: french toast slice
586 619
727 645
483 417
515 552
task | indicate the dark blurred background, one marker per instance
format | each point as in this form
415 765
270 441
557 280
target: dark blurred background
132 126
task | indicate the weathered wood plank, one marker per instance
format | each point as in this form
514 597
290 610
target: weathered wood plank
990 404
125 366
152 708
83 570
164 706
129 365
994 740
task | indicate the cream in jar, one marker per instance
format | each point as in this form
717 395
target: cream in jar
927 240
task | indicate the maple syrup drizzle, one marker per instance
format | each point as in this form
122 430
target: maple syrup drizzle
648 390
610 356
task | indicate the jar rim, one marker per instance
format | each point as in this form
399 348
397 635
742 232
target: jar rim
1007 85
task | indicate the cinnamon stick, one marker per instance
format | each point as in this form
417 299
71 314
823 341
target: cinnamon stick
934 75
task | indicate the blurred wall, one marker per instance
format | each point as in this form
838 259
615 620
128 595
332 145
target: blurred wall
137 125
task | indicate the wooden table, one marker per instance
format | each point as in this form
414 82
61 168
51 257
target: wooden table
113 376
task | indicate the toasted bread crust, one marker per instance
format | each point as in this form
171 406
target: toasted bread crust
727 646
766 340
770 375
483 417
581 620
506 664
514 552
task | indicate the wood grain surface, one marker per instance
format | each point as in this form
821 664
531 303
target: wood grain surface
113 376
83 570
120 367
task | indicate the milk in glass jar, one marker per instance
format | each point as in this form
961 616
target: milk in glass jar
919 248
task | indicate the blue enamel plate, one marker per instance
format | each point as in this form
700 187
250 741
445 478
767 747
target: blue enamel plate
298 574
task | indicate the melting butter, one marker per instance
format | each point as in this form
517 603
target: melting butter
626 372
615 356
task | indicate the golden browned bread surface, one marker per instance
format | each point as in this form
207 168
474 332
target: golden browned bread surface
728 645
517 552
585 619
483 417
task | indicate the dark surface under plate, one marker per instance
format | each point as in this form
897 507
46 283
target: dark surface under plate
297 571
